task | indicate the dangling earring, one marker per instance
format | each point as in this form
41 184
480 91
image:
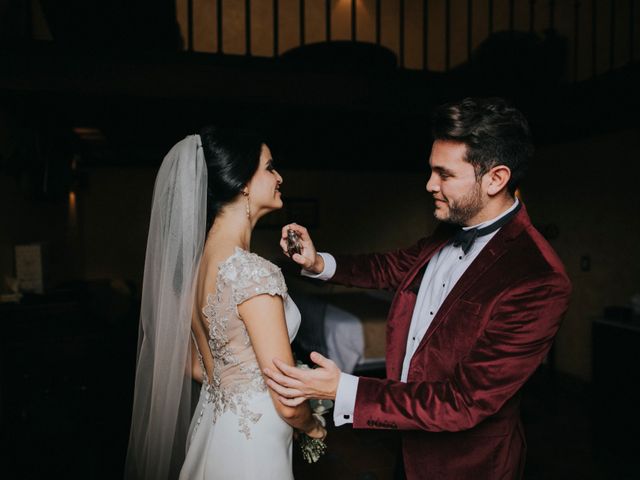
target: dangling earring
248 209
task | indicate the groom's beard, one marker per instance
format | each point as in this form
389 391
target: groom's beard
467 207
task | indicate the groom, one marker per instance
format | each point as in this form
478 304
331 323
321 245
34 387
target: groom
477 305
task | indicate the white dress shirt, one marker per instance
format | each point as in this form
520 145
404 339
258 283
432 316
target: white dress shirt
442 273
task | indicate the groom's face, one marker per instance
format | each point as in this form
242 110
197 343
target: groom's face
456 191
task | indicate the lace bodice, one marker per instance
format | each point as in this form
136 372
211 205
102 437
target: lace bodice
236 373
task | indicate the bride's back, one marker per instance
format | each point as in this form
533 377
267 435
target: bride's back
223 282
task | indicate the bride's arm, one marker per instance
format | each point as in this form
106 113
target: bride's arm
264 318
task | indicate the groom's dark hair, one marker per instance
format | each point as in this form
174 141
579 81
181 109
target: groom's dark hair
494 132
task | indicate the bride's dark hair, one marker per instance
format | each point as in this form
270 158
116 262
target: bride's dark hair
232 157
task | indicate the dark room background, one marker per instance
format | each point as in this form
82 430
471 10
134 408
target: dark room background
94 93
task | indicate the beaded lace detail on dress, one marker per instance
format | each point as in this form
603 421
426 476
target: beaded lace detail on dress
236 373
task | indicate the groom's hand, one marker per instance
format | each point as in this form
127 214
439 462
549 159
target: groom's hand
309 259
295 385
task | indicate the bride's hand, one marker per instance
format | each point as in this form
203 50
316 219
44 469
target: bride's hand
309 259
318 432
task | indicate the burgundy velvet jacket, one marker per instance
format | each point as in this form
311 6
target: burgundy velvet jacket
459 409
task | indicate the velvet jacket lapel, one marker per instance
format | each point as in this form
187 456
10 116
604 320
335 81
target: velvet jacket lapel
404 303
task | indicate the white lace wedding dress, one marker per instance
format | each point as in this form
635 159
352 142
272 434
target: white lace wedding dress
236 432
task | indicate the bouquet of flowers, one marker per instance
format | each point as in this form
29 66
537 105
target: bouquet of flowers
314 448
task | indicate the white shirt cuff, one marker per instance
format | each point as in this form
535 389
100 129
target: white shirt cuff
345 399
329 268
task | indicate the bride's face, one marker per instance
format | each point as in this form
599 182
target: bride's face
264 187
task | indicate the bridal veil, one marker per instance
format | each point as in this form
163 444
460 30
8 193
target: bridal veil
162 398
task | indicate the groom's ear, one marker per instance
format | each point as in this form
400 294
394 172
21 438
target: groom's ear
497 179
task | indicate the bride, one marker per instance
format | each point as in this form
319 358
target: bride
215 312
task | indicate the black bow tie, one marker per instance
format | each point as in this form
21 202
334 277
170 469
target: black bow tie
465 238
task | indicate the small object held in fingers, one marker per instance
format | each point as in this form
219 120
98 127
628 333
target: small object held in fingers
293 243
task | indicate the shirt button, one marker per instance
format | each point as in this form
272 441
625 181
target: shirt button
460 257
414 339
346 417
430 313
443 284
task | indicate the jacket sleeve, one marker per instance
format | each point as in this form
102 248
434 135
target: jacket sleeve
517 337
377 270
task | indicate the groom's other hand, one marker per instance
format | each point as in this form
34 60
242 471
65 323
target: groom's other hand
309 259
295 385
